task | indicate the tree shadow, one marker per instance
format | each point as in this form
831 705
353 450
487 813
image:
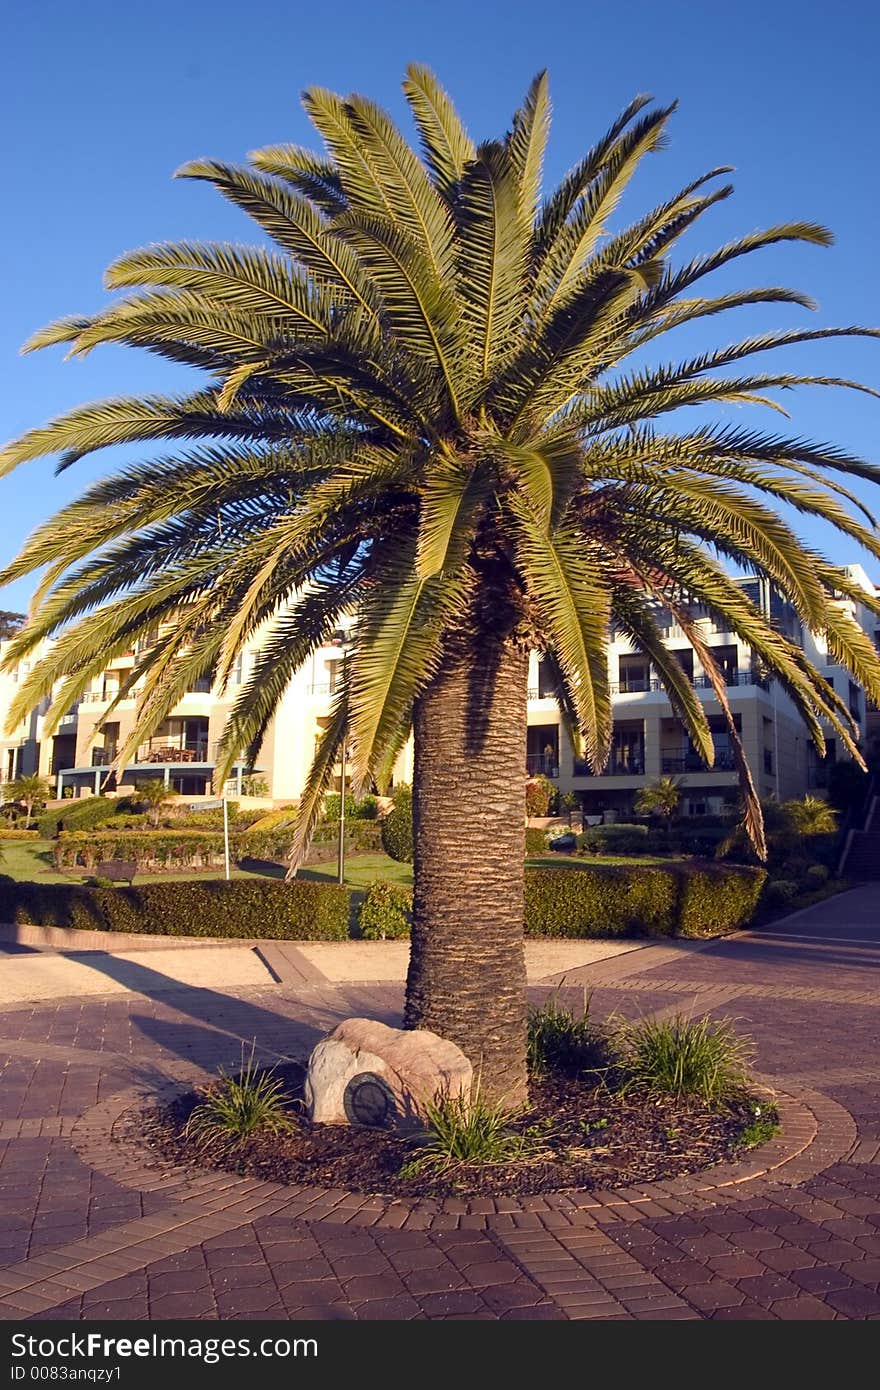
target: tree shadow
217 1025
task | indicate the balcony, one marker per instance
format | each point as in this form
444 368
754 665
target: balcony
161 751
616 767
692 762
731 679
542 765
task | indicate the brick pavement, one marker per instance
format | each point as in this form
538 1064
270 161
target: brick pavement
88 1230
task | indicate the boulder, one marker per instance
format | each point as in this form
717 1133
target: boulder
366 1073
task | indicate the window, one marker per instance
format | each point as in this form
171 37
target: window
634 674
768 761
546 683
685 658
855 704
238 669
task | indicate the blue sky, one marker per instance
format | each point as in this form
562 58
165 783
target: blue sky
104 100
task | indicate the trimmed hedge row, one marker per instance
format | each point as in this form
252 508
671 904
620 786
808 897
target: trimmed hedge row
19 834
151 849
298 911
692 900
606 900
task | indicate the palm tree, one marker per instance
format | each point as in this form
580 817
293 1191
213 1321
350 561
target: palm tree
420 406
28 791
664 796
153 794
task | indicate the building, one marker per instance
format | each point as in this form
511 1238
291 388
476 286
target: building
648 741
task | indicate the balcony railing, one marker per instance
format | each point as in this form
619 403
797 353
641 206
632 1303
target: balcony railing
542 764
732 678
159 751
324 688
617 767
692 762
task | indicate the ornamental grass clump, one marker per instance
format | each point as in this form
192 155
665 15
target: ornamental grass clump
236 1108
462 1131
558 1040
684 1057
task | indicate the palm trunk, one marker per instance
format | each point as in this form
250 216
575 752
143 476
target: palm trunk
467 966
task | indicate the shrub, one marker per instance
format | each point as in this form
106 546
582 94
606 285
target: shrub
385 913
332 807
560 838
780 891
237 1107
397 827
282 815
614 839
682 1056
535 842
816 875
88 812
19 834
462 1131
539 791
256 908
363 808
364 836
654 899
557 1041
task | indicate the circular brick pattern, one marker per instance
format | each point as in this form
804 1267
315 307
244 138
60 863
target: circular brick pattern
815 1132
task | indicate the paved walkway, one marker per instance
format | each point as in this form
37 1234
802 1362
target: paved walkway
90 1228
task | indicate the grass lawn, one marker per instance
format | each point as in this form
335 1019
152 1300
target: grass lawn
31 861
362 869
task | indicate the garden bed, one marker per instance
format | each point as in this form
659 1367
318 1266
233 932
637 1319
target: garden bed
578 1137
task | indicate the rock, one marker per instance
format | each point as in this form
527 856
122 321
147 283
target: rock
369 1074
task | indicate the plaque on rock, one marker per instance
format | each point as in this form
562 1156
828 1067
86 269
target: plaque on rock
369 1101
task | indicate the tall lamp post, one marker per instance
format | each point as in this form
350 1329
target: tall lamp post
341 854
341 860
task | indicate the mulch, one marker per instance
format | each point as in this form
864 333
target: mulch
580 1136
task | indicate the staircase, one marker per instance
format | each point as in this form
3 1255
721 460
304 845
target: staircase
861 856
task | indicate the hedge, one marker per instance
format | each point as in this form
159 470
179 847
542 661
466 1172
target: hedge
536 842
601 900
160 849
19 834
298 911
654 899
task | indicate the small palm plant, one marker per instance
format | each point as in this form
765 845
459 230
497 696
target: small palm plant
153 794
29 791
663 796
235 1108
811 816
